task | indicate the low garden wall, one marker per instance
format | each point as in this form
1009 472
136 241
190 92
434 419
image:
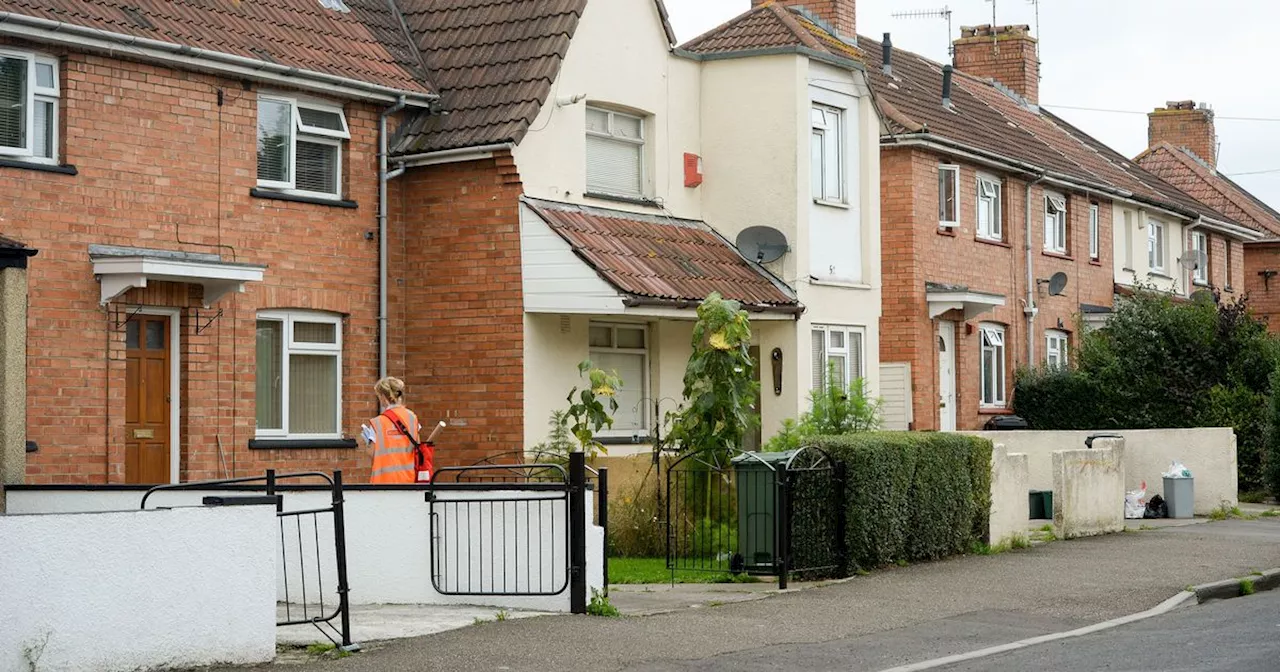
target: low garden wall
1088 489
1210 454
137 590
1009 507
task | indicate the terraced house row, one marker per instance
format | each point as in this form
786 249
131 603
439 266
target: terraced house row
222 223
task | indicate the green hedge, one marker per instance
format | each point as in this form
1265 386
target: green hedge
912 496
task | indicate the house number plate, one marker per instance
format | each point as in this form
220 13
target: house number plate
144 433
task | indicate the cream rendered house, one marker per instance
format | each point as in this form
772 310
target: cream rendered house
641 170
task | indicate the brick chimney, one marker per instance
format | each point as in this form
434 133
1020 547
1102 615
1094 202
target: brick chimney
1182 123
839 14
1006 54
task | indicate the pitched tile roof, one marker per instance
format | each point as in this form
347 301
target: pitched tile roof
662 259
986 117
770 27
493 62
1180 168
368 43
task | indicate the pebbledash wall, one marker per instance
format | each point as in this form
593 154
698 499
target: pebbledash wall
158 591
166 159
916 250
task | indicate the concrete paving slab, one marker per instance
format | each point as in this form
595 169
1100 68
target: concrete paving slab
372 623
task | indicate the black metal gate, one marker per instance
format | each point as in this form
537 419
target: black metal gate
511 530
755 513
312 545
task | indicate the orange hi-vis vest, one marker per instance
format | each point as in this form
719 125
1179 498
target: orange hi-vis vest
393 459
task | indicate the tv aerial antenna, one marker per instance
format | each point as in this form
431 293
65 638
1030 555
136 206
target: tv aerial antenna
995 38
944 13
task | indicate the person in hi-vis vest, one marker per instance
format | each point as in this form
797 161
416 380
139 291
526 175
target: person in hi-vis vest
393 451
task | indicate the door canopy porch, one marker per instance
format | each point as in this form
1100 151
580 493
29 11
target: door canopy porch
120 269
943 298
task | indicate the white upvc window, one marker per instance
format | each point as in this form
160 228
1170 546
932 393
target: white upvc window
1055 223
299 375
993 365
1200 252
838 350
990 225
948 196
28 106
1128 240
1056 345
624 350
1095 240
826 154
1155 246
615 153
300 146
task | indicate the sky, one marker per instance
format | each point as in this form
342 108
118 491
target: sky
1130 56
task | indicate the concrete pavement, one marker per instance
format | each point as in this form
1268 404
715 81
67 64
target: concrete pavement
892 617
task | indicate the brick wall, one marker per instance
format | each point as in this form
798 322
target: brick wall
1264 293
162 165
464 324
1006 54
1181 124
916 251
841 14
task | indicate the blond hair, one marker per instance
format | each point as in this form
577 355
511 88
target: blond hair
391 389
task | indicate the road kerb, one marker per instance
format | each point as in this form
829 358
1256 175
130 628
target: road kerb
1217 590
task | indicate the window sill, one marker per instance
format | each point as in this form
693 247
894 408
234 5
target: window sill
1229 289
39 167
837 283
633 200
1126 269
1154 274
1057 255
302 444
995 410
1095 262
993 241
640 439
1200 283
947 231
258 192
831 204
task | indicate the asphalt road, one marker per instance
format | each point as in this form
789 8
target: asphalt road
1240 635
893 617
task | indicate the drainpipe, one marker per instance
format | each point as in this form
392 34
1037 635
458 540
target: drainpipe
383 177
1189 275
1030 310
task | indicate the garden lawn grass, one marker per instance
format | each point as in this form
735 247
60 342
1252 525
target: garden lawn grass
654 570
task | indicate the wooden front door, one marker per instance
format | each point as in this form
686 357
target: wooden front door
147 399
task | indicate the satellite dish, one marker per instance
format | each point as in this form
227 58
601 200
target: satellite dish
1057 283
1190 263
762 244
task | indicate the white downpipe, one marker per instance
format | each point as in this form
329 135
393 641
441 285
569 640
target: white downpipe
1030 309
383 177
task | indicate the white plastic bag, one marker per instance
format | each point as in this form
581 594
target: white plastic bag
1177 470
1135 502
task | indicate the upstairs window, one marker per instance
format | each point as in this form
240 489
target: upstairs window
615 153
1095 240
827 154
28 106
990 225
1200 252
1155 246
1055 223
948 196
300 146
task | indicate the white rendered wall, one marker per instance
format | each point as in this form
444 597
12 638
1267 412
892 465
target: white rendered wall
137 590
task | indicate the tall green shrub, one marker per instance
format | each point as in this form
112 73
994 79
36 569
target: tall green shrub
1272 461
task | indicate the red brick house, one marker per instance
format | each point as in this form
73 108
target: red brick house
1006 229
1183 150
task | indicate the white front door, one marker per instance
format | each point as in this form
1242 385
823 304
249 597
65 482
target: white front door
946 376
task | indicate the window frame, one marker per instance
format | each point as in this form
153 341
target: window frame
37 94
1228 265
955 193
1200 244
1058 243
1056 343
992 332
1156 245
1095 232
818 184
312 134
646 361
847 351
995 202
290 346
641 142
